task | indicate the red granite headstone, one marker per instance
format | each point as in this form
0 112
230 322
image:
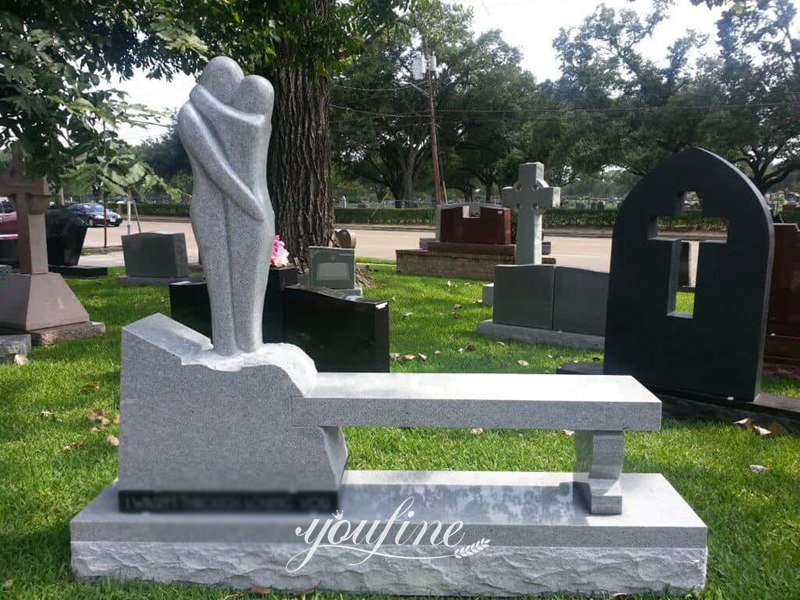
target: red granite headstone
783 325
491 226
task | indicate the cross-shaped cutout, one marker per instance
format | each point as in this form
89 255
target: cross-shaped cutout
530 195
679 258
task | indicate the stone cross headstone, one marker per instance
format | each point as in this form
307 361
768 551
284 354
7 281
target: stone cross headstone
530 195
717 350
32 197
34 300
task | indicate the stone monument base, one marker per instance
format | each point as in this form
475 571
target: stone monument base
523 534
67 333
80 271
44 306
12 346
163 281
541 336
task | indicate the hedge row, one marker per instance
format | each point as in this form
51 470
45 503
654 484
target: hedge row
553 218
163 210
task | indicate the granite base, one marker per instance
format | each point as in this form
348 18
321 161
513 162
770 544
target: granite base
12 346
162 281
80 271
541 336
66 333
537 539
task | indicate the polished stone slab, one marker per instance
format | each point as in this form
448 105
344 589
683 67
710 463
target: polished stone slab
489 400
540 540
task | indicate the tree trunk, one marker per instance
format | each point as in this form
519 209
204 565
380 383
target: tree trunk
408 184
299 167
488 195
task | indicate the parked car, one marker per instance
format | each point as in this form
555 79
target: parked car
92 214
8 223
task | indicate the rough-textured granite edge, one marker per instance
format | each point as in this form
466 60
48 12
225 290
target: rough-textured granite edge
495 571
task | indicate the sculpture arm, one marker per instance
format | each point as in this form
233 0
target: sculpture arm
201 142
214 109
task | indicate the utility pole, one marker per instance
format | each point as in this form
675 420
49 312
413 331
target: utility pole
437 186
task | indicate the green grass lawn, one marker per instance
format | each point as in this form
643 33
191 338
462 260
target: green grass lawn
52 463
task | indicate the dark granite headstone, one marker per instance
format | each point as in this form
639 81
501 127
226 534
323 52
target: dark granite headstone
716 351
490 226
523 295
339 334
783 325
66 232
579 301
189 304
155 255
784 304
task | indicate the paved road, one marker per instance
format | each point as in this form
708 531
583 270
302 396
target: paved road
585 252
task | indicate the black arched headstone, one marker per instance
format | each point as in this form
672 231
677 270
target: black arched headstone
717 351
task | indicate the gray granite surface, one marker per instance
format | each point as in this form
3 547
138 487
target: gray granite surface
225 127
523 295
540 540
194 420
488 400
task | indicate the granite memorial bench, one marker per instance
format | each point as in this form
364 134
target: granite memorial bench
599 409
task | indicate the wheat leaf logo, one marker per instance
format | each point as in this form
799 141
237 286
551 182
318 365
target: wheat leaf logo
466 551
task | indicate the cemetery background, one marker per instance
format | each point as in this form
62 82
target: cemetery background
58 451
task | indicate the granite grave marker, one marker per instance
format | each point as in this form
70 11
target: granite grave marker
251 428
717 350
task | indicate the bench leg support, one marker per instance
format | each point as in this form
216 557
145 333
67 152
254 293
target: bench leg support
597 470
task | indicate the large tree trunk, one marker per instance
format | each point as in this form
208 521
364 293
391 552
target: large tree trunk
299 168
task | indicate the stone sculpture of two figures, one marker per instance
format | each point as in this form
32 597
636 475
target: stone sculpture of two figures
225 127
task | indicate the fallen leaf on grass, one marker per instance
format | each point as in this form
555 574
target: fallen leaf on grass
117 419
408 314
422 357
97 414
761 431
744 423
501 343
46 414
550 356
569 432
457 306
137 306
74 446
260 590
394 355
478 301
8 584
112 440
437 352
778 429
477 431
759 469
409 356
523 363
91 387
21 360
449 283
456 316
469 348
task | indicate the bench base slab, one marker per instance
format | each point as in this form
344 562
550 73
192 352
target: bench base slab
541 540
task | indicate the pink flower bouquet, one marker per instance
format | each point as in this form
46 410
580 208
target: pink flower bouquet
280 256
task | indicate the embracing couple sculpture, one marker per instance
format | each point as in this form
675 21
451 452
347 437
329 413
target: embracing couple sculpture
225 127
